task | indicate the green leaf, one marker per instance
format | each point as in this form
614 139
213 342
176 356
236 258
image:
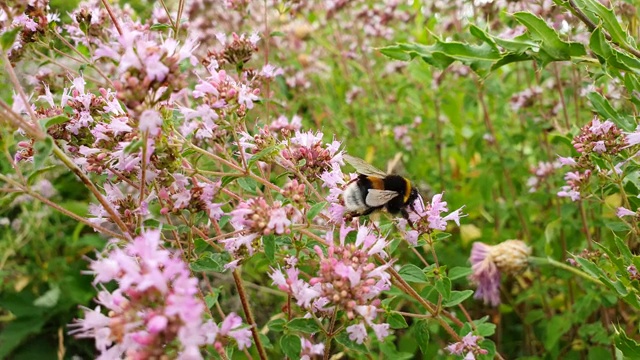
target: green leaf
212 298
549 38
55 120
607 112
395 52
422 335
556 327
160 27
9 37
277 325
608 20
264 153
291 346
213 262
315 210
17 331
485 329
155 224
43 150
412 273
629 347
309 326
623 248
248 184
343 339
459 272
483 36
133 146
457 297
552 235
443 286
396 321
269 243
48 299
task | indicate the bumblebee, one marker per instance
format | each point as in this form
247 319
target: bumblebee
374 189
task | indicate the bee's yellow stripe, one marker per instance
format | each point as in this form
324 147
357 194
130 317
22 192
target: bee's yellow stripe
407 190
376 183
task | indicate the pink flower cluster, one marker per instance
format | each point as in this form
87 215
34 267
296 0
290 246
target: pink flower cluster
347 280
306 152
253 219
468 347
155 308
600 138
429 217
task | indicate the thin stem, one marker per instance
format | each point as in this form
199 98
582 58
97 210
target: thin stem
573 270
89 184
327 344
247 313
60 209
18 87
585 225
112 16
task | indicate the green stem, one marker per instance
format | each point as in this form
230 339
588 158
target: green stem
563 266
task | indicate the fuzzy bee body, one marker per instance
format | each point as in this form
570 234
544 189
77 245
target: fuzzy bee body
373 190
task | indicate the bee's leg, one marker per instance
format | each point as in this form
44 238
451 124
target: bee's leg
405 215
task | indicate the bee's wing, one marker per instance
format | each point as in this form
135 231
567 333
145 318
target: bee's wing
363 167
377 197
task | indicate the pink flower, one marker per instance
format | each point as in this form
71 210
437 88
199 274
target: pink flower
487 263
150 120
622 212
357 333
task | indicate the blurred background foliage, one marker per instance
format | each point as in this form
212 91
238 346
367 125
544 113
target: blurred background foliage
480 139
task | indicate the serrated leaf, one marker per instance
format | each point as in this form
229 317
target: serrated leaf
607 18
483 36
629 347
607 112
623 249
412 273
43 150
396 321
291 346
395 52
457 297
541 31
309 326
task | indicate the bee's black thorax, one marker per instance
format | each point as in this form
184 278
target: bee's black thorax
403 187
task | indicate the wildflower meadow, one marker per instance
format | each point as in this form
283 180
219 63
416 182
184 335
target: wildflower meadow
177 179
